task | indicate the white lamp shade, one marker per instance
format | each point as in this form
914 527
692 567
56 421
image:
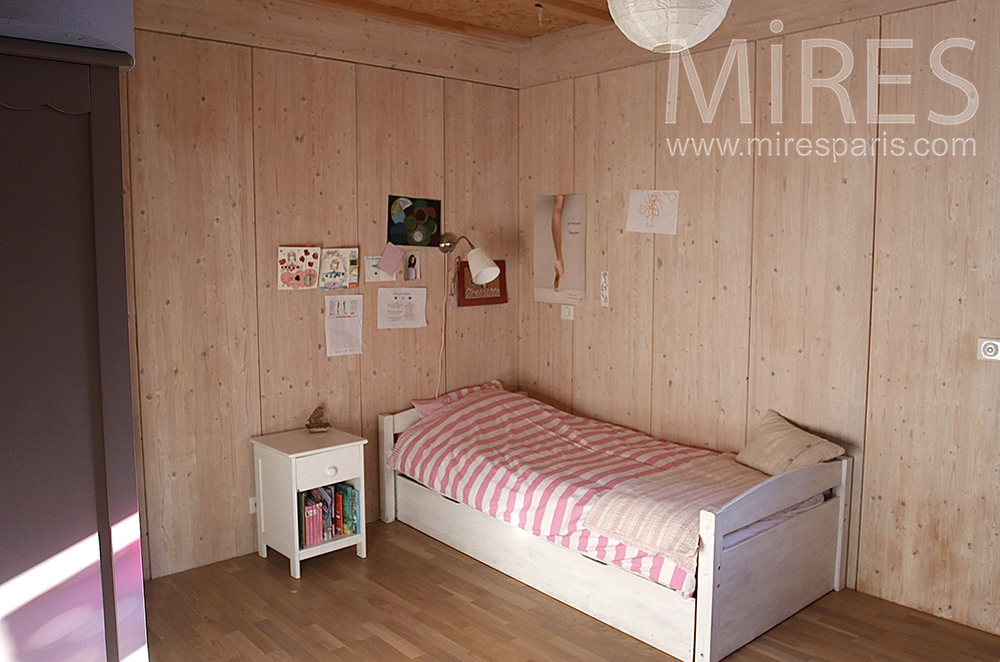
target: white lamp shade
484 270
667 26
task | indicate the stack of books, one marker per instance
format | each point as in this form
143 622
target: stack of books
327 512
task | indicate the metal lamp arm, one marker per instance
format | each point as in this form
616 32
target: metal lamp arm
449 242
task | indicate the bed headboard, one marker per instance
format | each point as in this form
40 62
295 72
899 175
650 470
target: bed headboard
390 425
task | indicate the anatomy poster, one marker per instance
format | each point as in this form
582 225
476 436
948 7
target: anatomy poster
344 316
560 248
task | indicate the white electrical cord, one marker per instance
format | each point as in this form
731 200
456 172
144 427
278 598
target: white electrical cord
444 323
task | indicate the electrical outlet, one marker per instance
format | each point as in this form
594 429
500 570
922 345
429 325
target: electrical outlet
253 505
605 290
567 312
989 349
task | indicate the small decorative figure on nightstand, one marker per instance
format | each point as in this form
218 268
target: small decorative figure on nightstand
317 420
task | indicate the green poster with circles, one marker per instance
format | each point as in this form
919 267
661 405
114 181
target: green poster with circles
414 221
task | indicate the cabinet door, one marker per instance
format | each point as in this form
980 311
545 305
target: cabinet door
67 472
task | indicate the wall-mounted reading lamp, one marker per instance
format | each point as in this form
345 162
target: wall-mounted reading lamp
484 269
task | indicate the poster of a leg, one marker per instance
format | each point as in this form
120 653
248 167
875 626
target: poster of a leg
560 248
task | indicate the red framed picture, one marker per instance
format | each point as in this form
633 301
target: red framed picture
470 294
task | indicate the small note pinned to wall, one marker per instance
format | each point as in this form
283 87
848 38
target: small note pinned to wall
344 316
653 211
373 273
390 258
402 308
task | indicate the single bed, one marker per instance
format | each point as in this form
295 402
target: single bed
759 554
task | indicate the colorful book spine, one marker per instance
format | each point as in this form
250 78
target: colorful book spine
318 517
348 511
306 526
314 525
338 511
356 510
302 520
327 493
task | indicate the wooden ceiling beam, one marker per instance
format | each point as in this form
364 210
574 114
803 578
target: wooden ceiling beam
577 10
370 8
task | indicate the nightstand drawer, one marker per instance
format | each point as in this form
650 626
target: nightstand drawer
327 467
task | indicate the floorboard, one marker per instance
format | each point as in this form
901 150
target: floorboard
414 599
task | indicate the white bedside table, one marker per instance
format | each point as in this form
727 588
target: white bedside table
287 463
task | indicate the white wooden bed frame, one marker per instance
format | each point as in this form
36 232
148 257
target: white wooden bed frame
742 591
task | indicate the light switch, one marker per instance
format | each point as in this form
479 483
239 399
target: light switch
567 312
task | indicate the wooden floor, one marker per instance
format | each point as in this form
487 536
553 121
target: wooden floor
415 599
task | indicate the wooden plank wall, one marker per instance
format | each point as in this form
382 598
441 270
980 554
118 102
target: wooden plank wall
701 302
191 136
401 152
614 150
481 181
812 254
303 118
847 294
235 150
930 536
546 157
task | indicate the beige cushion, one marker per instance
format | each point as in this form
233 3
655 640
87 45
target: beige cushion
778 446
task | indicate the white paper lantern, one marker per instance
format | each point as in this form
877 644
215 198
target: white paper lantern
667 26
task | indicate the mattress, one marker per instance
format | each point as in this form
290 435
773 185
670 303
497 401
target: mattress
545 471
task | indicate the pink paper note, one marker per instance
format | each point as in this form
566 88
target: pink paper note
390 258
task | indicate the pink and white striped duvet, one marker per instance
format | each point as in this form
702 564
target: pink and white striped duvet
541 469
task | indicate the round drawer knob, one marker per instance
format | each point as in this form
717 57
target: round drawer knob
331 471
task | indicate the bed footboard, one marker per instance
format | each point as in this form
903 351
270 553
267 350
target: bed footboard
747 589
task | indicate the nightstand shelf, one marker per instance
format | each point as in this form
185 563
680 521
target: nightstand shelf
287 463
339 542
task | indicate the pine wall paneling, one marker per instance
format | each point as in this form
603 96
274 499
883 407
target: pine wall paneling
588 49
481 190
814 226
701 297
930 536
191 135
305 180
310 28
400 152
329 142
812 246
614 153
929 471
546 155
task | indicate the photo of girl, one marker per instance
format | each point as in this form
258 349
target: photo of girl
411 270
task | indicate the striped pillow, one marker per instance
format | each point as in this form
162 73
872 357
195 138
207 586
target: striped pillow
427 407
